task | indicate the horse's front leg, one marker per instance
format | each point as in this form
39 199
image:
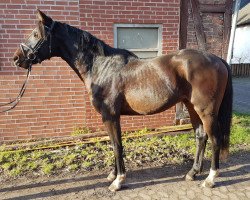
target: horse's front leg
112 175
118 174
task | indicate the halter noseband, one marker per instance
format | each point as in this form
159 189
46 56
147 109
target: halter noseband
32 54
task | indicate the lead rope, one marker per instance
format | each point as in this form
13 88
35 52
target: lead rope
19 96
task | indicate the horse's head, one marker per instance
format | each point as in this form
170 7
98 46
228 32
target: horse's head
38 45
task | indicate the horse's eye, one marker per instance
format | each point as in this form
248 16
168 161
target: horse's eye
35 34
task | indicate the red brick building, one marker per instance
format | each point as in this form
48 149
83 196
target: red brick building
56 101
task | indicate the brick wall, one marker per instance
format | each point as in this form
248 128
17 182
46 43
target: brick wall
213 24
56 101
53 102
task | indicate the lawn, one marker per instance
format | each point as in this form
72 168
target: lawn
139 151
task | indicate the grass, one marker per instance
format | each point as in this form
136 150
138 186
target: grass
138 151
240 132
80 131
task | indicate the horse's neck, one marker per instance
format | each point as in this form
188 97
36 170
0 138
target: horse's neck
67 49
73 53
82 51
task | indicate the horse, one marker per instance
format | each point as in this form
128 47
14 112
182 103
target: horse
119 83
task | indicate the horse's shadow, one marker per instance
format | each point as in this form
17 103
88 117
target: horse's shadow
136 179
175 173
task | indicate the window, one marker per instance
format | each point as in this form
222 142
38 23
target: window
142 39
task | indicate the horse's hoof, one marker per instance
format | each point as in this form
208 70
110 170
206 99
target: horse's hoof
208 184
117 183
115 187
189 178
111 177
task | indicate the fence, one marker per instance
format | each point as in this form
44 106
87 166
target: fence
242 69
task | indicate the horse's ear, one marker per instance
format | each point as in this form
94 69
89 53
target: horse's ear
44 18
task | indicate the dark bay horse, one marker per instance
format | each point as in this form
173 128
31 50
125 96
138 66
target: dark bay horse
119 83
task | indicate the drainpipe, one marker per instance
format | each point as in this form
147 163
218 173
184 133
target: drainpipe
233 28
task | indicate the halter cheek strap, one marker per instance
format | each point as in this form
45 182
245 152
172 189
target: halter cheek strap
50 34
32 55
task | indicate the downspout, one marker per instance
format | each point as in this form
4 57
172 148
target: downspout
233 28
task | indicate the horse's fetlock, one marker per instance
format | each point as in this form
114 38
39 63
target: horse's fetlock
111 176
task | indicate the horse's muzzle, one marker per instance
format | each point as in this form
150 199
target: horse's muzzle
23 63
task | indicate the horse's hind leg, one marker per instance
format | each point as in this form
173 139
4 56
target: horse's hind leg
201 140
212 129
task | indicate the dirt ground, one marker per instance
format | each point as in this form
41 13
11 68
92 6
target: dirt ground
155 182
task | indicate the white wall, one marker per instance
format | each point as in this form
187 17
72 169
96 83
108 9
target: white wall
241 48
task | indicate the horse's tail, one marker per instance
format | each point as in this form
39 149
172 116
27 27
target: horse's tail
225 114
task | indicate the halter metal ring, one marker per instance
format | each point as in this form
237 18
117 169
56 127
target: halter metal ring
31 56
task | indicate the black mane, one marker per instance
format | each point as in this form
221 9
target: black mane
89 47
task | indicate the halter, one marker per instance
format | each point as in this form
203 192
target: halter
32 53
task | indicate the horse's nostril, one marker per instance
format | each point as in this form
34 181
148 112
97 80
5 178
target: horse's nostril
16 58
16 61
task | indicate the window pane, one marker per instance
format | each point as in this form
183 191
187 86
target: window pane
137 38
146 54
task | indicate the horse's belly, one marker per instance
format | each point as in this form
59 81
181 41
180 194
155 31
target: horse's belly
147 101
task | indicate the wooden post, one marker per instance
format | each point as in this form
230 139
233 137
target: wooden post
183 24
201 39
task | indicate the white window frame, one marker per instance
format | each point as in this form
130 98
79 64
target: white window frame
158 26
